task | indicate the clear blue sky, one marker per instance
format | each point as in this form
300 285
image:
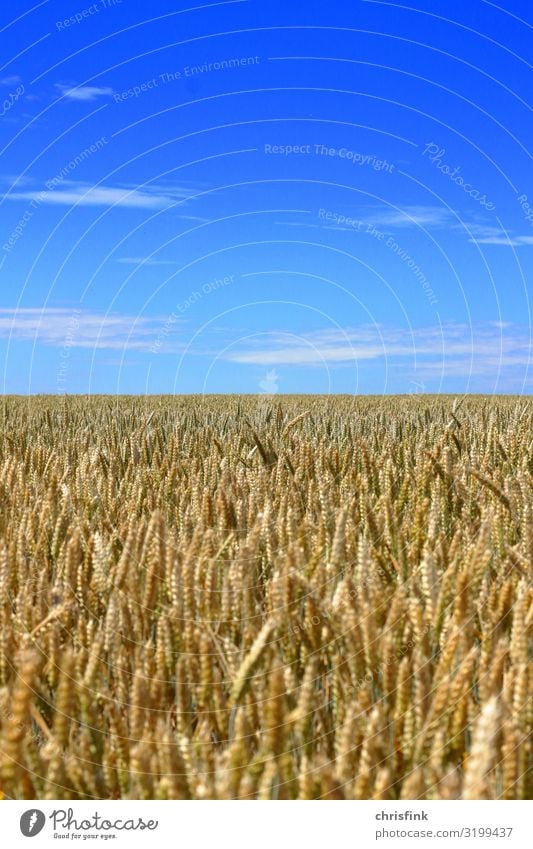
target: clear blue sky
266 197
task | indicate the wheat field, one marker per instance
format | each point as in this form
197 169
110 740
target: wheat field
293 597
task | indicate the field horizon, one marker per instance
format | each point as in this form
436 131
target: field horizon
269 396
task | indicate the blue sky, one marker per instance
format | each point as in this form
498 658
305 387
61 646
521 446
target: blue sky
265 197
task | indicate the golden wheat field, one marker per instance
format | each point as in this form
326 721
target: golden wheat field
293 597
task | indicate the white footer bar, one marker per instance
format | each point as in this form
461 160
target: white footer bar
266 825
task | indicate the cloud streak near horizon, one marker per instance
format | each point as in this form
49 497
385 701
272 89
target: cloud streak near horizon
74 193
60 326
427 353
452 348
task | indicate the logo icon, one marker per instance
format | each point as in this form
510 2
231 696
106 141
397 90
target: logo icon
32 822
269 384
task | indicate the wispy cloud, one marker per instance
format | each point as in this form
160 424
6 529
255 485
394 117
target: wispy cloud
454 350
427 217
481 348
383 218
409 216
139 260
13 80
300 224
83 92
74 328
513 241
482 234
85 194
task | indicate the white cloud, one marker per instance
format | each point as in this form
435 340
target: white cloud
84 92
423 216
452 349
488 365
85 194
485 234
315 348
13 80
74 328
300 224
513 242
386 218
508 241
409 216
139 260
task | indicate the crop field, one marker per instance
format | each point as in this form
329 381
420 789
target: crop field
274 597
